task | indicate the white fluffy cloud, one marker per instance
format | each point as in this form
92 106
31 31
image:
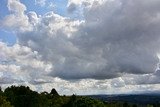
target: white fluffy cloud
21 64
115 46
17 20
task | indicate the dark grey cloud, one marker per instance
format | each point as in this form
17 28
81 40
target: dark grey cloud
116 37
125 34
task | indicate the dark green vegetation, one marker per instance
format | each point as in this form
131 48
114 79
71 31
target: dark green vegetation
21 96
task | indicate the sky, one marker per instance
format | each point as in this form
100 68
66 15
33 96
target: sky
81 46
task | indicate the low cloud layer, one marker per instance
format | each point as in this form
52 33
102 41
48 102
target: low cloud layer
115 44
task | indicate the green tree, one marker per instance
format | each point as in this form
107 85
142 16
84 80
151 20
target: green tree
54 92
21 96
4 103
1 92
78 101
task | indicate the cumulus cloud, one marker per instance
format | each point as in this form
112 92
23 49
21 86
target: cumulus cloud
108 45
115 45
21 64
17 20
126 39
16 7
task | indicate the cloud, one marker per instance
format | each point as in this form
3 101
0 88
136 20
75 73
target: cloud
71 7
114 46
108 45
16 6
17 20
120 36
21 64
74 5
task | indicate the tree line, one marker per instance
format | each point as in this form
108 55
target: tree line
22 96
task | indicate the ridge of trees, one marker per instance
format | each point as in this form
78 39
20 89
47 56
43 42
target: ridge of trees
22 96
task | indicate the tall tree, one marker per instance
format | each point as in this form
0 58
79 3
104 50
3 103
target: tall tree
54 92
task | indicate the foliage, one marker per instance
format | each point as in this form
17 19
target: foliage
4 103
21 96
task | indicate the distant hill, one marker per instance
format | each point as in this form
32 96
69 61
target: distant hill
145 98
